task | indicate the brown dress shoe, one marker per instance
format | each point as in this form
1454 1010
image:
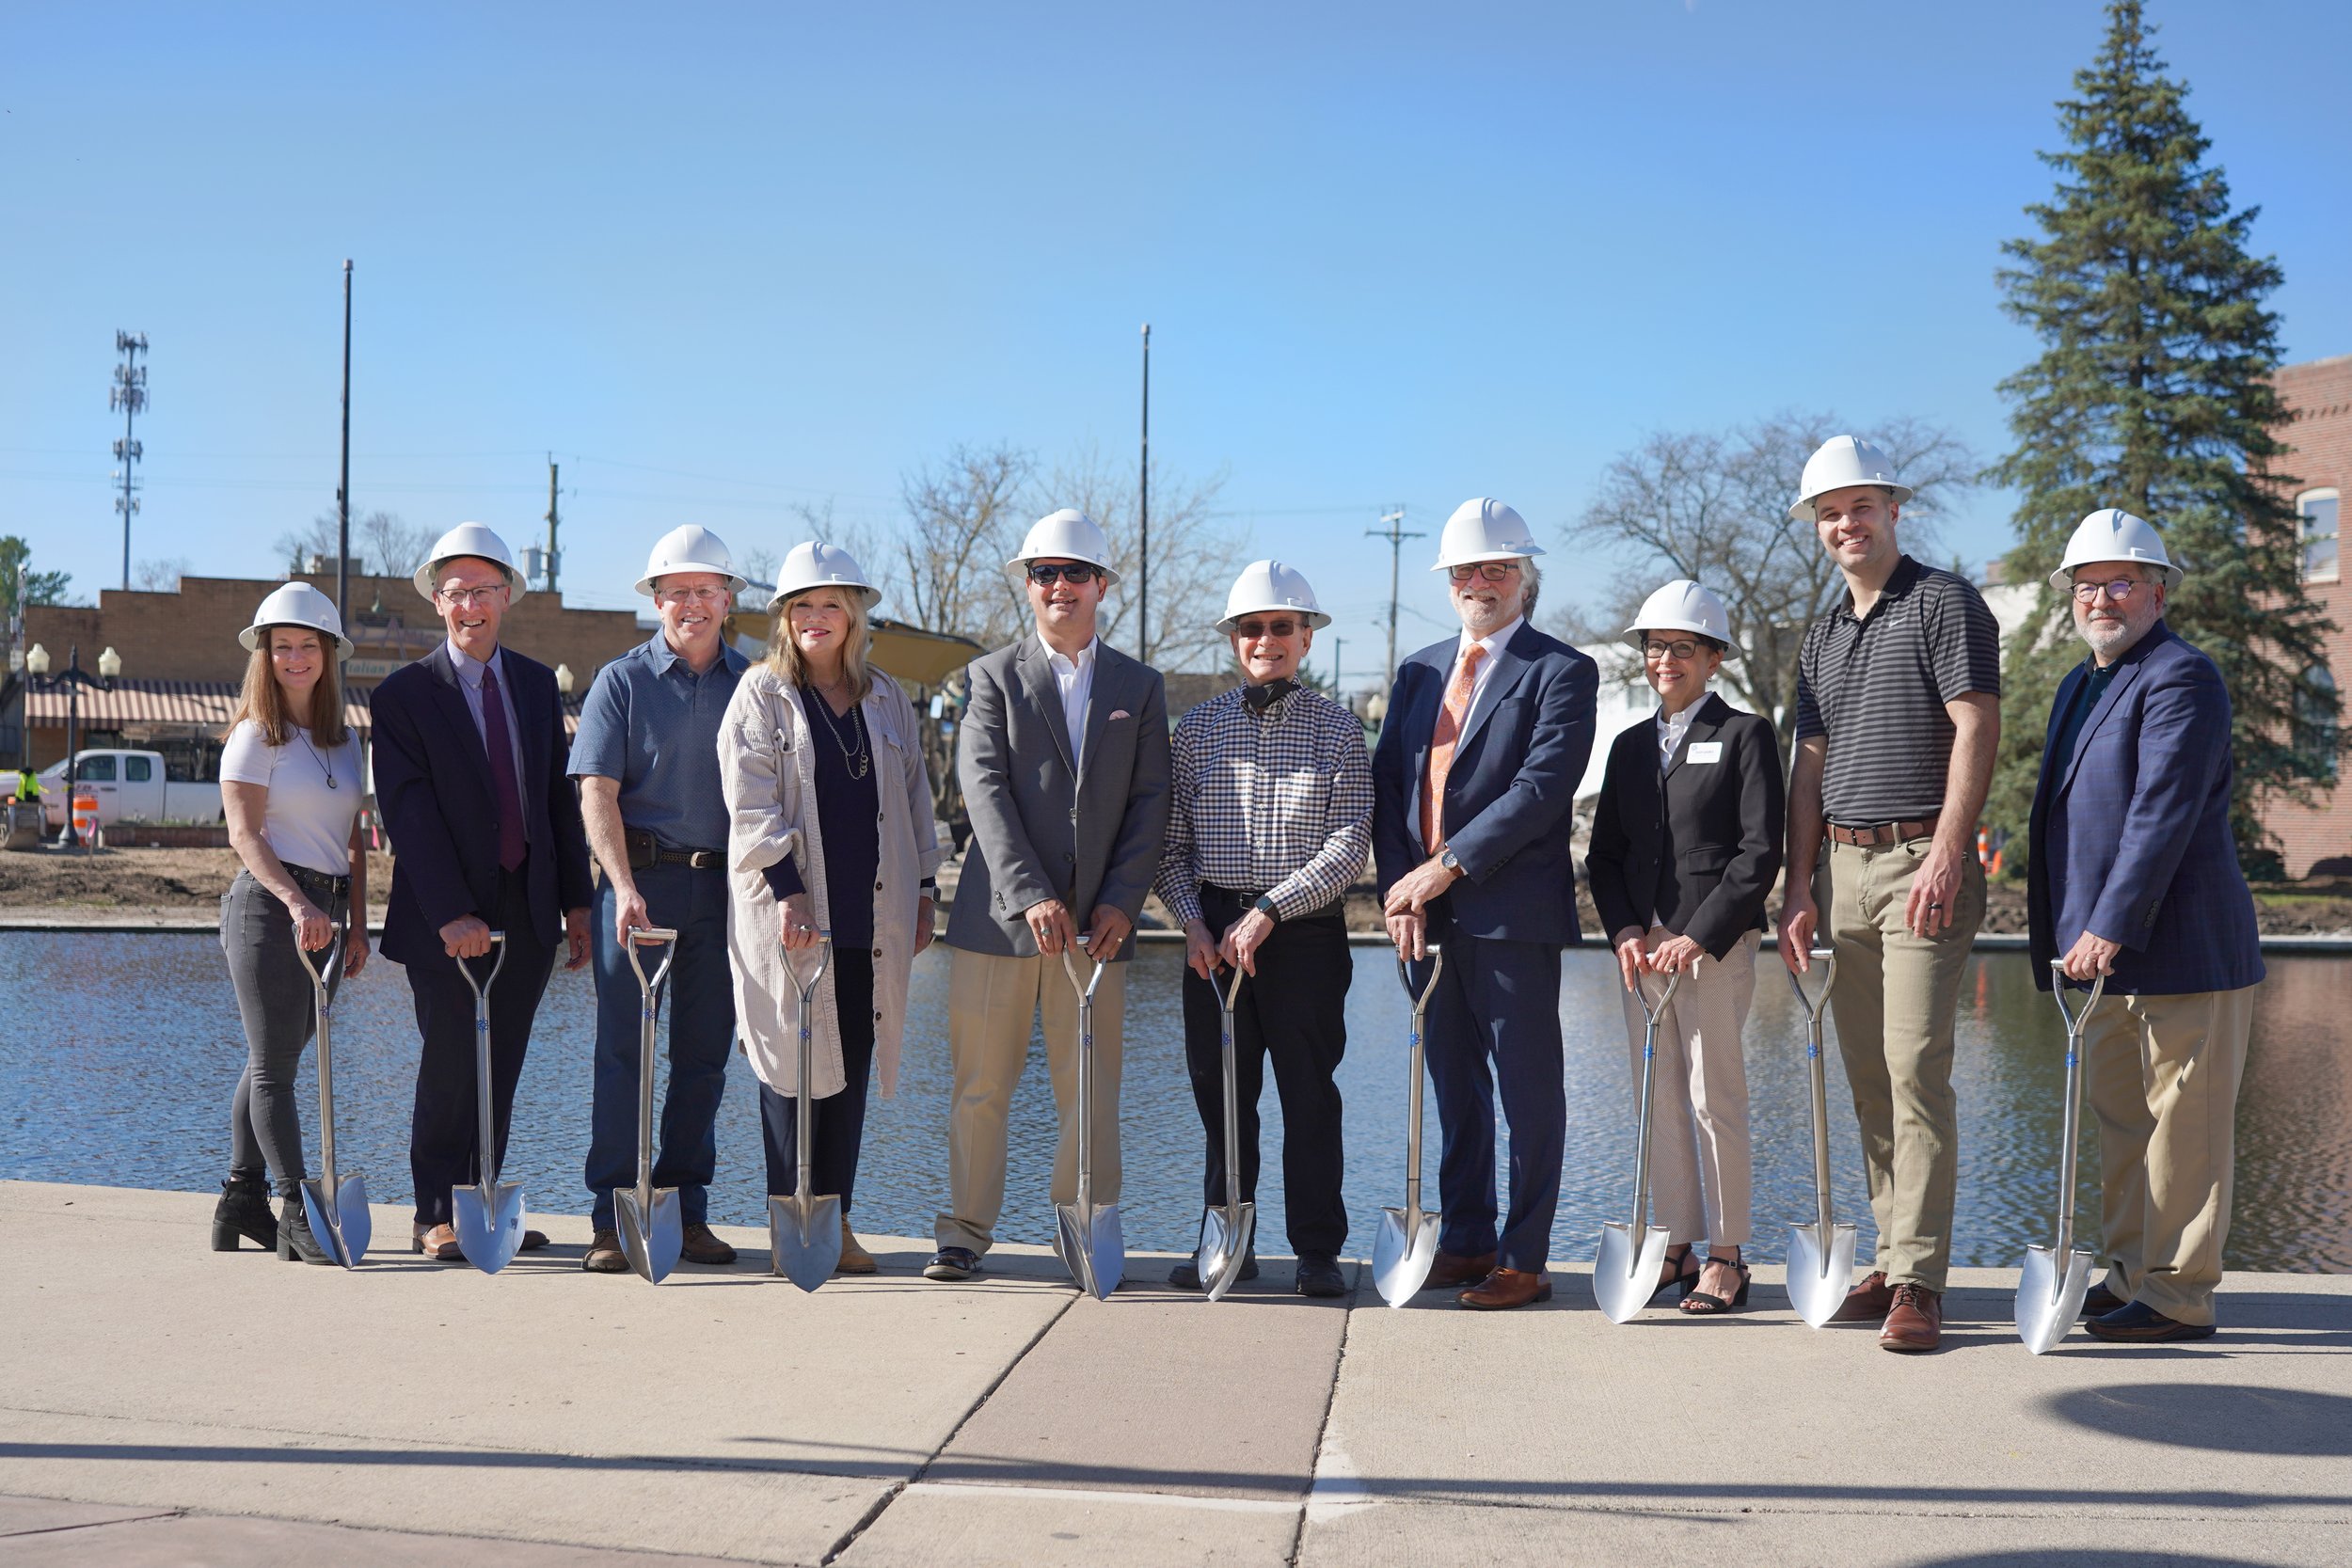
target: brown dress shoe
1451 1269
700 1246
854 1259
605 1255
438 1243
1867 1303
1915 1321
1507 1288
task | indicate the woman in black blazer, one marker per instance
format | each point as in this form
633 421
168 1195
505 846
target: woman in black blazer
1686 846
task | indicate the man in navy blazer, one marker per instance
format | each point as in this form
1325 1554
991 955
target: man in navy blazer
1474 783
2133 874
469 757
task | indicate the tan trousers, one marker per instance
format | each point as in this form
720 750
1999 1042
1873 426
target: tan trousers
1897 998
992 1009
2162 1074
1700 1162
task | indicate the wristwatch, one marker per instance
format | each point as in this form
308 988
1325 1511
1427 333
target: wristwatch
1445 857
1265 905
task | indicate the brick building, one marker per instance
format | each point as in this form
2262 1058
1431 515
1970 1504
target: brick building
2317 839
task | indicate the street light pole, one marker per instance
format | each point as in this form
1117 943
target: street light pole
343 482
73 840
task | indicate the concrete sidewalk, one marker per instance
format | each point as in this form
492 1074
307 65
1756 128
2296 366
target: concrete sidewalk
169 1404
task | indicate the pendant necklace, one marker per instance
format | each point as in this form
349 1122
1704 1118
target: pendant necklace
324 766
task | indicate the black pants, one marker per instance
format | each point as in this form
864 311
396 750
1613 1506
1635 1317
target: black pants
837 1121
443 1137
1295 1013
279 1009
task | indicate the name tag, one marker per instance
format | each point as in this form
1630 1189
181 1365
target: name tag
1704 750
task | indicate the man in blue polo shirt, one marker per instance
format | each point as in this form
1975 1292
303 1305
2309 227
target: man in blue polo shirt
647 761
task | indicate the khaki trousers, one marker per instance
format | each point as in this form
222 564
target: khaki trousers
1895 1004
993 1007
1700 1159
2162 1075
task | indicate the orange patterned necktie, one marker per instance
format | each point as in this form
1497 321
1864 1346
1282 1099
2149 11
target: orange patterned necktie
1458 701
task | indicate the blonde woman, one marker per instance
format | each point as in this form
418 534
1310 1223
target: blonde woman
289 781
827 799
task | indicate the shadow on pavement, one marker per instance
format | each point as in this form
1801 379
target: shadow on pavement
2216 1416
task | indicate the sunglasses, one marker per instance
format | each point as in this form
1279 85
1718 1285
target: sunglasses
1265 629
1042 573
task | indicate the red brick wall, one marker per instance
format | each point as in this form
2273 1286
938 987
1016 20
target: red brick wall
2318 396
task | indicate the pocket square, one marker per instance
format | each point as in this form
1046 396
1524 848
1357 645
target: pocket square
1117 713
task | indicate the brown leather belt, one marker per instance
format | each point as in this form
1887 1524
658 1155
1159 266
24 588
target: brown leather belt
1883 833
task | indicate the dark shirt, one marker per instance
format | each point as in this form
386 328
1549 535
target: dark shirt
2086 697
849 818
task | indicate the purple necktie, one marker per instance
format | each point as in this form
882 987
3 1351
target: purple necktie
510 792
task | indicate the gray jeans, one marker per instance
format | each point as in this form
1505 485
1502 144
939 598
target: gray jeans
273 998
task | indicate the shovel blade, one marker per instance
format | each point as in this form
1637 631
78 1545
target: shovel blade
1225 1236
1626 1271
1401 1257
1820 1276
2050 1296
1093 1246
340 1223
651 1238
804 1239
489 1234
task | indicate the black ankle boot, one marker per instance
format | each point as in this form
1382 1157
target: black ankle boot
294 1240
244 1210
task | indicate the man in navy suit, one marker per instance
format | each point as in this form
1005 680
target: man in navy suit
2133 874
469 777
1473 781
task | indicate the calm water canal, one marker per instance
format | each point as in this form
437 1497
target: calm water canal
120 1051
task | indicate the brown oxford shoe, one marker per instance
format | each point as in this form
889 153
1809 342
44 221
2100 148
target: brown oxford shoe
1915 1321
698 1246
1451 1269
1505 1289
1867 1303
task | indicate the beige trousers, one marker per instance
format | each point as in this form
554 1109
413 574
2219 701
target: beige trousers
2162 1075
992 1008
1895 1004
1700 1162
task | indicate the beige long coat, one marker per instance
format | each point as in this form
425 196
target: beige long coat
766 773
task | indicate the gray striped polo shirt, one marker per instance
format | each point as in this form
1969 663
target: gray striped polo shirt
1875 685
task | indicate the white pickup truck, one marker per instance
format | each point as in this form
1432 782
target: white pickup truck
131 786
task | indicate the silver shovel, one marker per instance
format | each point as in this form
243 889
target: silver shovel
804 1231
1632 1254
2050 1292
651 1230
1225 1232
1406 1247
1820 1254
488 1216
338 1206
1087 1234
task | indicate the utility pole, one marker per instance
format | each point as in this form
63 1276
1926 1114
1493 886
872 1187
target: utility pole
553 522
1395 535
1338 646
342 479
1143 514
129 394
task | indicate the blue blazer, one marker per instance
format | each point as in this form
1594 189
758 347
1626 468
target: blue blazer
1509 793
2132 842
433 789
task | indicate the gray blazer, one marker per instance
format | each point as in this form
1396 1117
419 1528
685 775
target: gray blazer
1038 830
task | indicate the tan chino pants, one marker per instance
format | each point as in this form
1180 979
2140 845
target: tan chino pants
1701 1162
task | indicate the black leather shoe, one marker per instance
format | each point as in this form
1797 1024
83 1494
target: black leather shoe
952 1262
2099 1301
244 1210
1320 1276
295 1241
1186 1275
2135 1323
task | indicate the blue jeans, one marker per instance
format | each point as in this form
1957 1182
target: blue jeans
698 999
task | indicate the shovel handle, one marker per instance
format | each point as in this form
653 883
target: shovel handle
651 936
481 986
322 977
824 960
1652 1014
2074 1018
1814 1002
1084 988
1231 994
1429 987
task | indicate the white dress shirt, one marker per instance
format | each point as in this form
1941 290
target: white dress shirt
1494 643
1074 679
1671 730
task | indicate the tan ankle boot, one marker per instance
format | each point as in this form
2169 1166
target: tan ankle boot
854 1259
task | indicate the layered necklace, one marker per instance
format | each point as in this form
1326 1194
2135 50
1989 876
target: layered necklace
857 756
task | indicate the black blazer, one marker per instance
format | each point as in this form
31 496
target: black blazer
1697 842
434 791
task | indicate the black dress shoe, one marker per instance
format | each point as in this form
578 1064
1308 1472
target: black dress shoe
2137 1324
2099 1301
1186 1275
1320 1276
952 1262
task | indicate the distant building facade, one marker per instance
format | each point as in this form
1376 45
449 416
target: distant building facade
2317 839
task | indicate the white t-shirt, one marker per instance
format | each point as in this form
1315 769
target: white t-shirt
307 823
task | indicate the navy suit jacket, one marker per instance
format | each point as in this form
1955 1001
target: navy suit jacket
433 792
1510 791
2132 842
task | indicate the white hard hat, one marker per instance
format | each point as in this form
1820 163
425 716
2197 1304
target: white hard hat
1844 461
1684 606
1069 534
690 548
298 603
1483 528
813 563
468 539
2111 533
1269 585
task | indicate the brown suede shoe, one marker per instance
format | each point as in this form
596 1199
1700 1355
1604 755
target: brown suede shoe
2100 1300
854 1259
1451 1269
1915 1321
438 1243
1867 1303
700 1246
1505 1289
605 1255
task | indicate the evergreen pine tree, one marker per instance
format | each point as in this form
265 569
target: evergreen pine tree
2153 393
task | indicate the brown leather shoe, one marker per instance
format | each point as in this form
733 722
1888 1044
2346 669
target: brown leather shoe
605 1255
438 1242
854 1259
699 1245
1915 1321
1505 1289
1451 1269
1867 1303
2100 1300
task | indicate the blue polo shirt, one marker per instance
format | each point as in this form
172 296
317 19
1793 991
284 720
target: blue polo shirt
652 723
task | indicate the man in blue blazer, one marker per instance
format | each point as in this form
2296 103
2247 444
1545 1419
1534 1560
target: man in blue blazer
2133 874
1473 781
469 778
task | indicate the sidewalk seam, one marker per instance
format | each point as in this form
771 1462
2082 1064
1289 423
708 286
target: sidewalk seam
1323 1428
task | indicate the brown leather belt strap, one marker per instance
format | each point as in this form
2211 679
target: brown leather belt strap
1881 834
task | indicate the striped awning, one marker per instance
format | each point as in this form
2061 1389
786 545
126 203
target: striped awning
196 704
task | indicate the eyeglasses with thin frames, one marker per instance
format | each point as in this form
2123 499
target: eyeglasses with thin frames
1493 571
2117 590
466 598
690 595
1680 648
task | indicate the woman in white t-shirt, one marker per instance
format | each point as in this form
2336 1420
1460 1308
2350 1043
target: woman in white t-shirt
290 780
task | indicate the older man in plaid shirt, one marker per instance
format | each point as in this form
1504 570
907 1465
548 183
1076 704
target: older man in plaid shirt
1270 822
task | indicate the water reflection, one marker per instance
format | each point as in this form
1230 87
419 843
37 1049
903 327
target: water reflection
121 1051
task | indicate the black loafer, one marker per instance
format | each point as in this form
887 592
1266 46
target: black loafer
2099 1301
1320 1276
951 1263
1186 1275
2136 1324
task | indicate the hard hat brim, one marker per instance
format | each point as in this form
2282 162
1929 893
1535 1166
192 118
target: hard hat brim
250 638
1315 619
873 595
1017 569
1802 512
2064 579
737 582
431 569
1634 636
1476 557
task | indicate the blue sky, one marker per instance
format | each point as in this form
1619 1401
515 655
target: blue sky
722 260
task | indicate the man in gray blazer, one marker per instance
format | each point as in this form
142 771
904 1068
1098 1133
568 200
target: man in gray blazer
1063 757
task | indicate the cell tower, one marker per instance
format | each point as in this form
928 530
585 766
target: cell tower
129 394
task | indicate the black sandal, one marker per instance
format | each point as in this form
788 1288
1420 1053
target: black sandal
1705 1304
1682 1283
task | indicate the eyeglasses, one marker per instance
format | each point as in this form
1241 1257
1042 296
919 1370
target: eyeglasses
1681 648
2119 589
1493 571
690 595
465 599
1042 573
1264 628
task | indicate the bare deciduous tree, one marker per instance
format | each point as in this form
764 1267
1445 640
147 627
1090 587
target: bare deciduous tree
161 577
1193 558
380 541
965 514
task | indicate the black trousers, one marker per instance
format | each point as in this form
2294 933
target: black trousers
443 1136
838 1122
1295 1013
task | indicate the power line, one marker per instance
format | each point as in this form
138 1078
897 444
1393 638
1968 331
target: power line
129 393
